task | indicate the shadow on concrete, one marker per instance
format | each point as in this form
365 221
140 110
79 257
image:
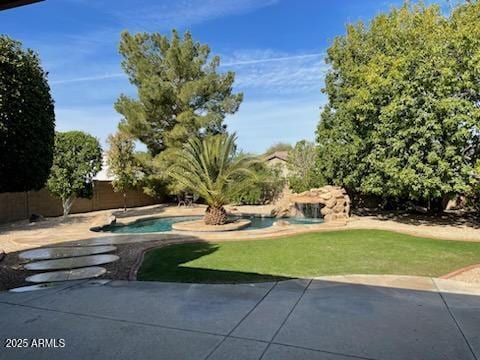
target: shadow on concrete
456 219
142 211
287 320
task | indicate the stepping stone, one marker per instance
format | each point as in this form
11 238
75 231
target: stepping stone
63 252
71 263
64 275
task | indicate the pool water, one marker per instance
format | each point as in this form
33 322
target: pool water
165 224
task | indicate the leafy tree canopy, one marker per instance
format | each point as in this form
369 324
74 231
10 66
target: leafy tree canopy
77 159
280 146
403 114
27 119
264 186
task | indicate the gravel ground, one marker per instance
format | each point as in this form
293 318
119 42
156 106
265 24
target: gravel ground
470 276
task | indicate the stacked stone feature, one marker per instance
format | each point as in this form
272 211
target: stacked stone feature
335 201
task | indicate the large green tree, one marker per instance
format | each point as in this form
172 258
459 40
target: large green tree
180 93
403 115
77 159
27 119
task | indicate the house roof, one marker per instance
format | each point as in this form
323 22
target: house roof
8 4
282 155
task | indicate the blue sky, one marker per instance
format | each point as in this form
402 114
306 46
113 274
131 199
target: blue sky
276 48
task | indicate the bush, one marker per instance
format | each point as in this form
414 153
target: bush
266 186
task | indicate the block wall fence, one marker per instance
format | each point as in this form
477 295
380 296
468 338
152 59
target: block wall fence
19 206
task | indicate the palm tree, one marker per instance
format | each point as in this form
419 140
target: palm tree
210 167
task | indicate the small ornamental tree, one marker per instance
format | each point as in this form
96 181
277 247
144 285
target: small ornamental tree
77 159
123 164
27 119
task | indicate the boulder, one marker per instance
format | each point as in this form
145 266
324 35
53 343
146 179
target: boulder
326 196
330 203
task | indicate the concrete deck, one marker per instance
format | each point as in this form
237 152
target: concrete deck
297 319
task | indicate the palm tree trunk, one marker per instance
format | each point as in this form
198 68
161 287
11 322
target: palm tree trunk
215 215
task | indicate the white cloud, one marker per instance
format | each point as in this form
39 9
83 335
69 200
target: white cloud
161 15
246 60
259 124
277 73
89 78
181 13
261 70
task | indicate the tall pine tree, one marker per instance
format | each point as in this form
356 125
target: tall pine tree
180 92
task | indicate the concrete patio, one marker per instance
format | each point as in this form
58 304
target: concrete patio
295 319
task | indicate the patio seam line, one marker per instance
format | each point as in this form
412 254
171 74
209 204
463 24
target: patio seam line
324 351
248 285
285 320
241 320
456 322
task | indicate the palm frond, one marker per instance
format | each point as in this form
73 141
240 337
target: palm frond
210 167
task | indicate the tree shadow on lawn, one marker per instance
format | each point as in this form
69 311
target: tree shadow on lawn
170 264
169 267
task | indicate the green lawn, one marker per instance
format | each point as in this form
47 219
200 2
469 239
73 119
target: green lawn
308 255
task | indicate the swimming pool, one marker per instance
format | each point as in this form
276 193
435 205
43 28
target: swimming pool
165 224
